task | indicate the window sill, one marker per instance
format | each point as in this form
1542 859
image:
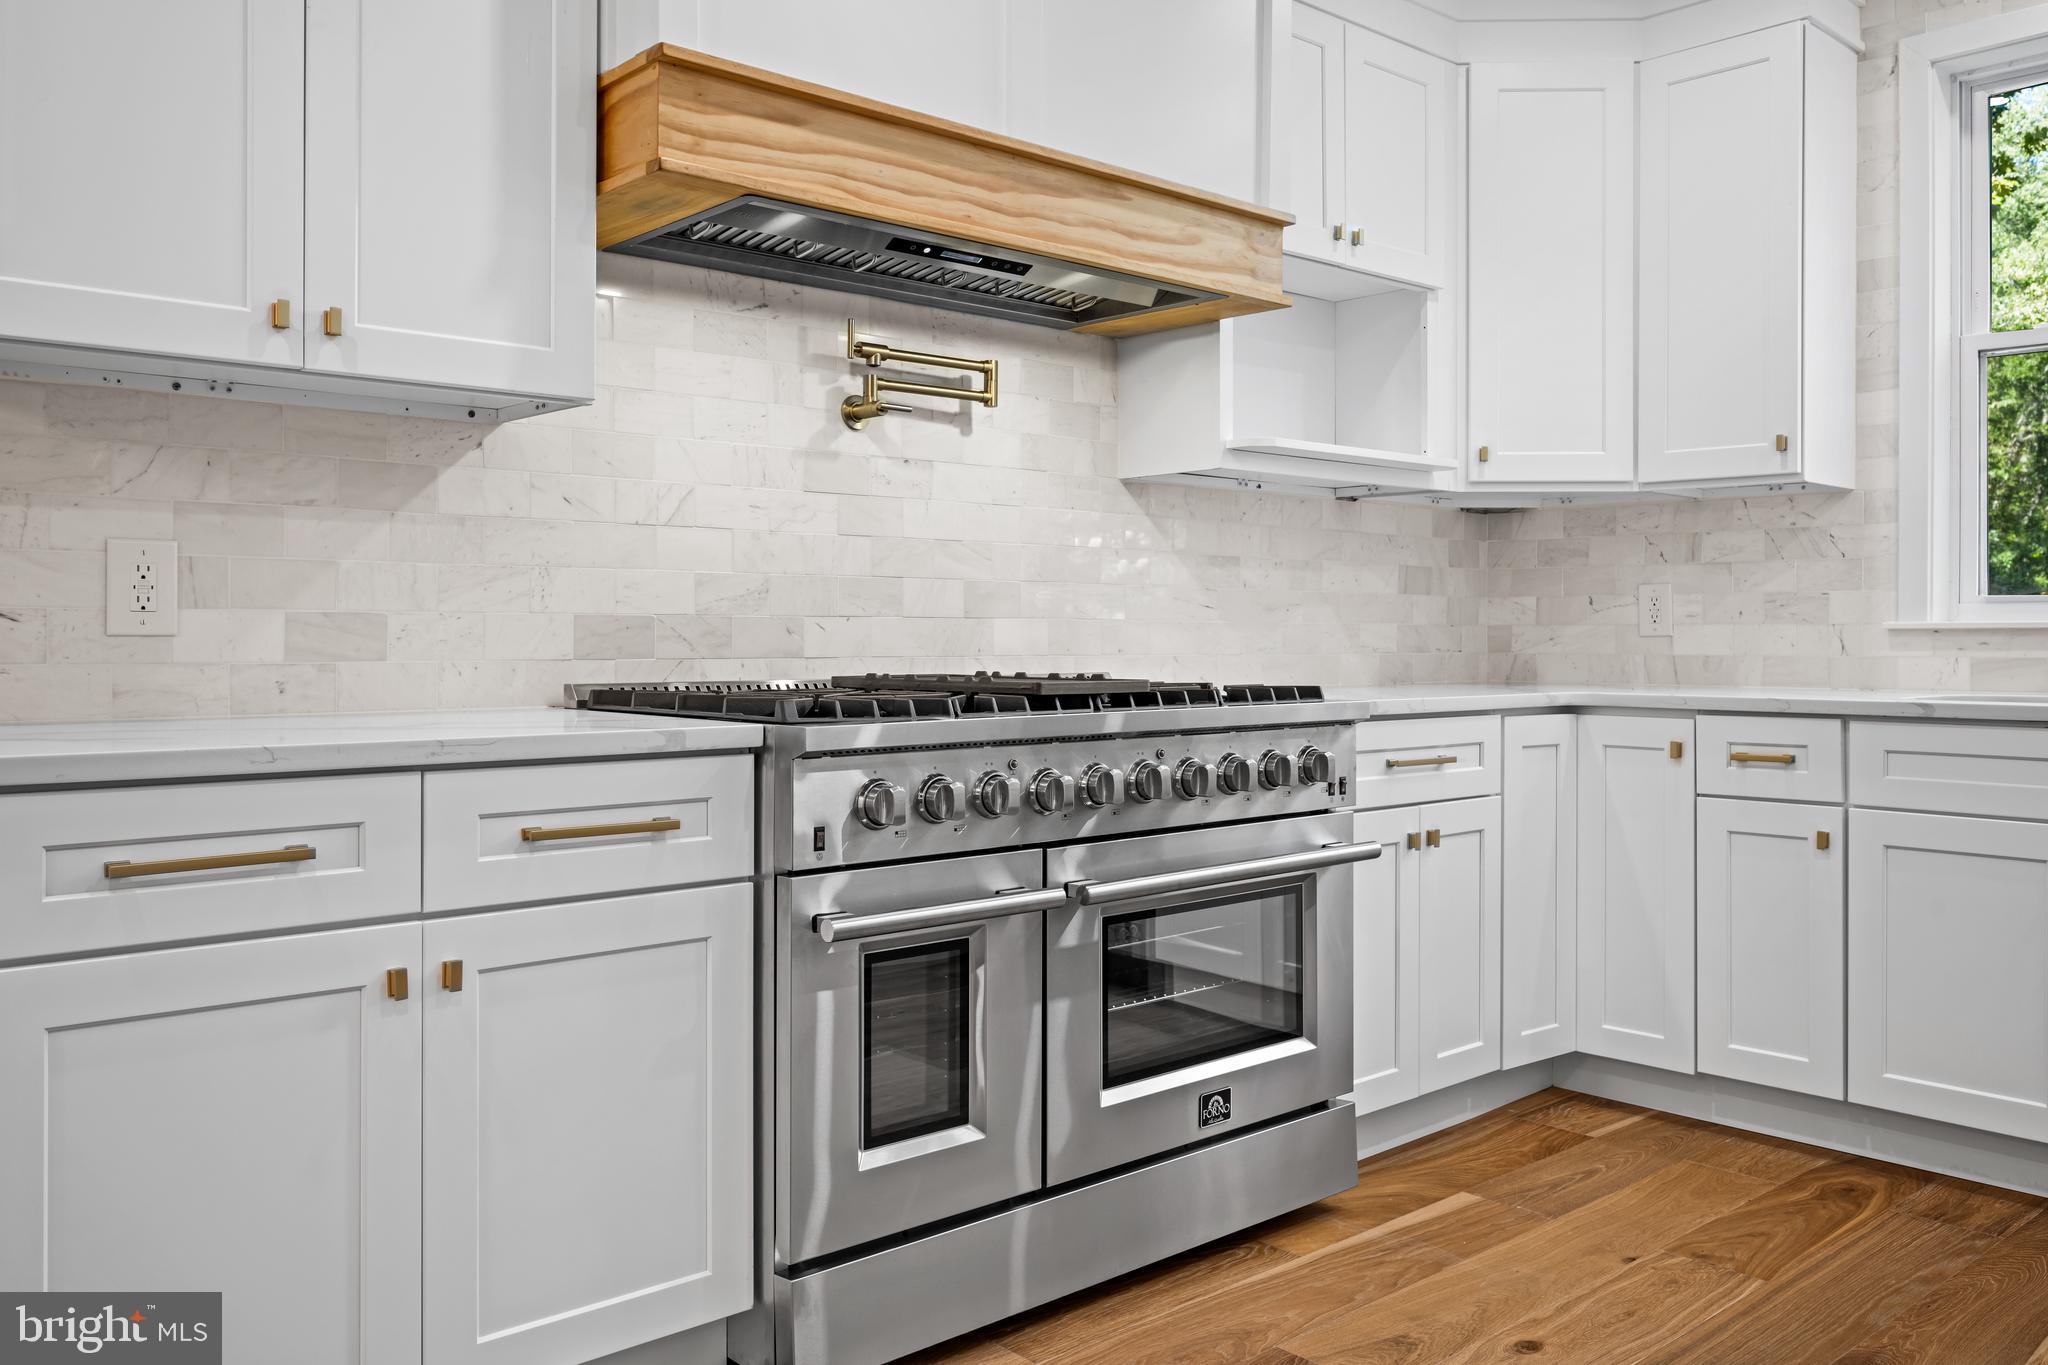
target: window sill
1976 627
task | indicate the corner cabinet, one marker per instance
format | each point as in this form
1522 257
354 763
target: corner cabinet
1636 889
1746 367
1552 262
347 198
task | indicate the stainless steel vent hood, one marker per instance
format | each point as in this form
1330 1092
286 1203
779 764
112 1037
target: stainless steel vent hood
757 236
723 165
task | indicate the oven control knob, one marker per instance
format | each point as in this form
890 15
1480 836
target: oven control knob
1052 791
1276 769
995 793
1148 780
1193 778
1102 785
880 804
1233 774
1316 766
941 800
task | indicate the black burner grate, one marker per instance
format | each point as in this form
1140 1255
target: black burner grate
929 696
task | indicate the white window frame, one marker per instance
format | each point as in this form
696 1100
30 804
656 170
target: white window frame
1944 313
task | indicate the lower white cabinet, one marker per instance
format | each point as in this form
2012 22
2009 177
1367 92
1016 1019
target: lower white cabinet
1770 944
588 1148
1426 985
1636 889
1386 959
1539 889
1948 952
241 1117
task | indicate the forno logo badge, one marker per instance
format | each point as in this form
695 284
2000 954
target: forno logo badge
1212 1107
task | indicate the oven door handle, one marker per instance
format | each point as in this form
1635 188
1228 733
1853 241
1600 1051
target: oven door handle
836 928
1201 878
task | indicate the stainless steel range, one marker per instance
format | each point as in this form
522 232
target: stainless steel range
1055 981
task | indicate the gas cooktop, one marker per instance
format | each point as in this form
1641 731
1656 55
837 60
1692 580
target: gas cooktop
925 696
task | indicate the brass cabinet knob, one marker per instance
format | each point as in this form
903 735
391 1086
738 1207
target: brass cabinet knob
280 314
451 974
1357 236
1784 443
1433 837
397 984
1336 232
1484 454
330 322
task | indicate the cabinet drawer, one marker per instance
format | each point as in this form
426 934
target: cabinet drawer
1786 758
1447 758
501 836
1953 769
86 870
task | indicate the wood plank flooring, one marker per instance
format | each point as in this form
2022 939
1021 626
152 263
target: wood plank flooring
1575 1230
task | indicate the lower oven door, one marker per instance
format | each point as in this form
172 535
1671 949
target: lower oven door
1196 983
909 1061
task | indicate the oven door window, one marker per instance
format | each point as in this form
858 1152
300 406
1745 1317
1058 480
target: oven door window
914 1044
1189 983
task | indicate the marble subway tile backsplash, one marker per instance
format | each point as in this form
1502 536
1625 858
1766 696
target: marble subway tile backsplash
708 516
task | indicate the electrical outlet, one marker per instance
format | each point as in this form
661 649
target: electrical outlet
1653 609
142 587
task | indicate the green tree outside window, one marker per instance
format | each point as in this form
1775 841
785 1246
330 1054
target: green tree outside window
2016 386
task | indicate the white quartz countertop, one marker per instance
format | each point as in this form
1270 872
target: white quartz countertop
251 746
1466 698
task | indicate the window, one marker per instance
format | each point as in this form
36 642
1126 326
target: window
1973 323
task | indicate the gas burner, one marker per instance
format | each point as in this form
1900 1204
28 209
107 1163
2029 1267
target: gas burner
925 696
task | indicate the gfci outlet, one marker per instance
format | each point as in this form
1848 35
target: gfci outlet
1653 609
142 587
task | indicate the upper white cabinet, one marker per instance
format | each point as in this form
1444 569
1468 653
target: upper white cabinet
161 211
1551 258
1368 147
1636 889
450 215
344 197
1748 157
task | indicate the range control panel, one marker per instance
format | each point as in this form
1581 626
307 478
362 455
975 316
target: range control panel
866 808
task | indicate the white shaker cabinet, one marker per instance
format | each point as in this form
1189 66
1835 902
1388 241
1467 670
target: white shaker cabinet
1636 889
1771 933
1551 268
242 1117
1540 889
1948 950
1386 959
588 1129
1459 978
1426 952
1748 156
157 206
1368 150
448 170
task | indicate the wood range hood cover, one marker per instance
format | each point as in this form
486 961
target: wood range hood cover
729 166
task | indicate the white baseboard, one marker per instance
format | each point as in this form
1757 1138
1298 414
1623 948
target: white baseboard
1412 1119
699 1346
1988 1158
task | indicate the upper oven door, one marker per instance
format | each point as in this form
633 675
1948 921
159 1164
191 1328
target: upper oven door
1195 983
909 1051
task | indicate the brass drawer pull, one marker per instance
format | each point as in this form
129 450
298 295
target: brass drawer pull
1742 756
1435 762
291 853
537 834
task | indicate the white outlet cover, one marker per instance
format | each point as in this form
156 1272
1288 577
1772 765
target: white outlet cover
142 587
1653 609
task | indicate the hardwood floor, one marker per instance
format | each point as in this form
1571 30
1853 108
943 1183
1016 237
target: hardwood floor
1575 1230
